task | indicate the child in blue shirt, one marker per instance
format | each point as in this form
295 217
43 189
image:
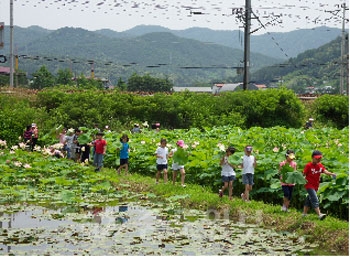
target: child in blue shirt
124 154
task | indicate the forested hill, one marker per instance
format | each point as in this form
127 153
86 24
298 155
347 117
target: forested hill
275 44
159 52
314 67
185 56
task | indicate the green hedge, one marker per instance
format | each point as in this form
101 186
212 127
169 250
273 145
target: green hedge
178 110
332 110
74 108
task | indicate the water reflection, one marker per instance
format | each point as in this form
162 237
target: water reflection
123 218
132 229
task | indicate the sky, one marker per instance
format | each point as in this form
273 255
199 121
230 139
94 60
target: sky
120 15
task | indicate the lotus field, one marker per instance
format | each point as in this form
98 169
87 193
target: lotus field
41 178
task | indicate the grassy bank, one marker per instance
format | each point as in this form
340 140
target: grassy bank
331 235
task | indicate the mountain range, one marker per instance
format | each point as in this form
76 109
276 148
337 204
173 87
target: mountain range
274 44
184 56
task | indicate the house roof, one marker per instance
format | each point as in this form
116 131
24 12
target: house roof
4 70
193 89
261 86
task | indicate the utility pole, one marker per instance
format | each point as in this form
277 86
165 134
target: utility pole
11 43
342 55
247 44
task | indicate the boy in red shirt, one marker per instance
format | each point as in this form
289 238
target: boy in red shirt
100 150
312 172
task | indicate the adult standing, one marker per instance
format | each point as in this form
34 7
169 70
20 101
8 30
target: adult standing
27 136
68 142
35 137
76 151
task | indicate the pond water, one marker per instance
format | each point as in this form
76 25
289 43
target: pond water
135 229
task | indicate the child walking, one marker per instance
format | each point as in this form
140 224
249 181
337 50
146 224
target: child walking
162 160
248 165
100 145
124 154
176 166
287 188
312 172
228 174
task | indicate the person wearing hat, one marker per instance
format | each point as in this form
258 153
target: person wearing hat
248 165
312 173
287 188
178 167
68 142
228 174
308 124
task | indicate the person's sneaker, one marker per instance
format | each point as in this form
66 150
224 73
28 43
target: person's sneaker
322 216
183 185
284 208
220 193
242 196
303 215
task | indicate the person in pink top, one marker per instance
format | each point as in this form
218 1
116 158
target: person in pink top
312 173
287 188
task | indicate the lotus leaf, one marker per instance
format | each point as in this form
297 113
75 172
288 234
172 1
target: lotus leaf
180 156
284 170
84 138
295 177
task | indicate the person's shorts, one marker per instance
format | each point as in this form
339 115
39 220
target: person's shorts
161 167
287 191
228 178
177 167
311 199
248 179
124 161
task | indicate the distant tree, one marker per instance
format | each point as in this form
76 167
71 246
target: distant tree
149 83
4 80
88 83
121 84
20 79
64 77
42 78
